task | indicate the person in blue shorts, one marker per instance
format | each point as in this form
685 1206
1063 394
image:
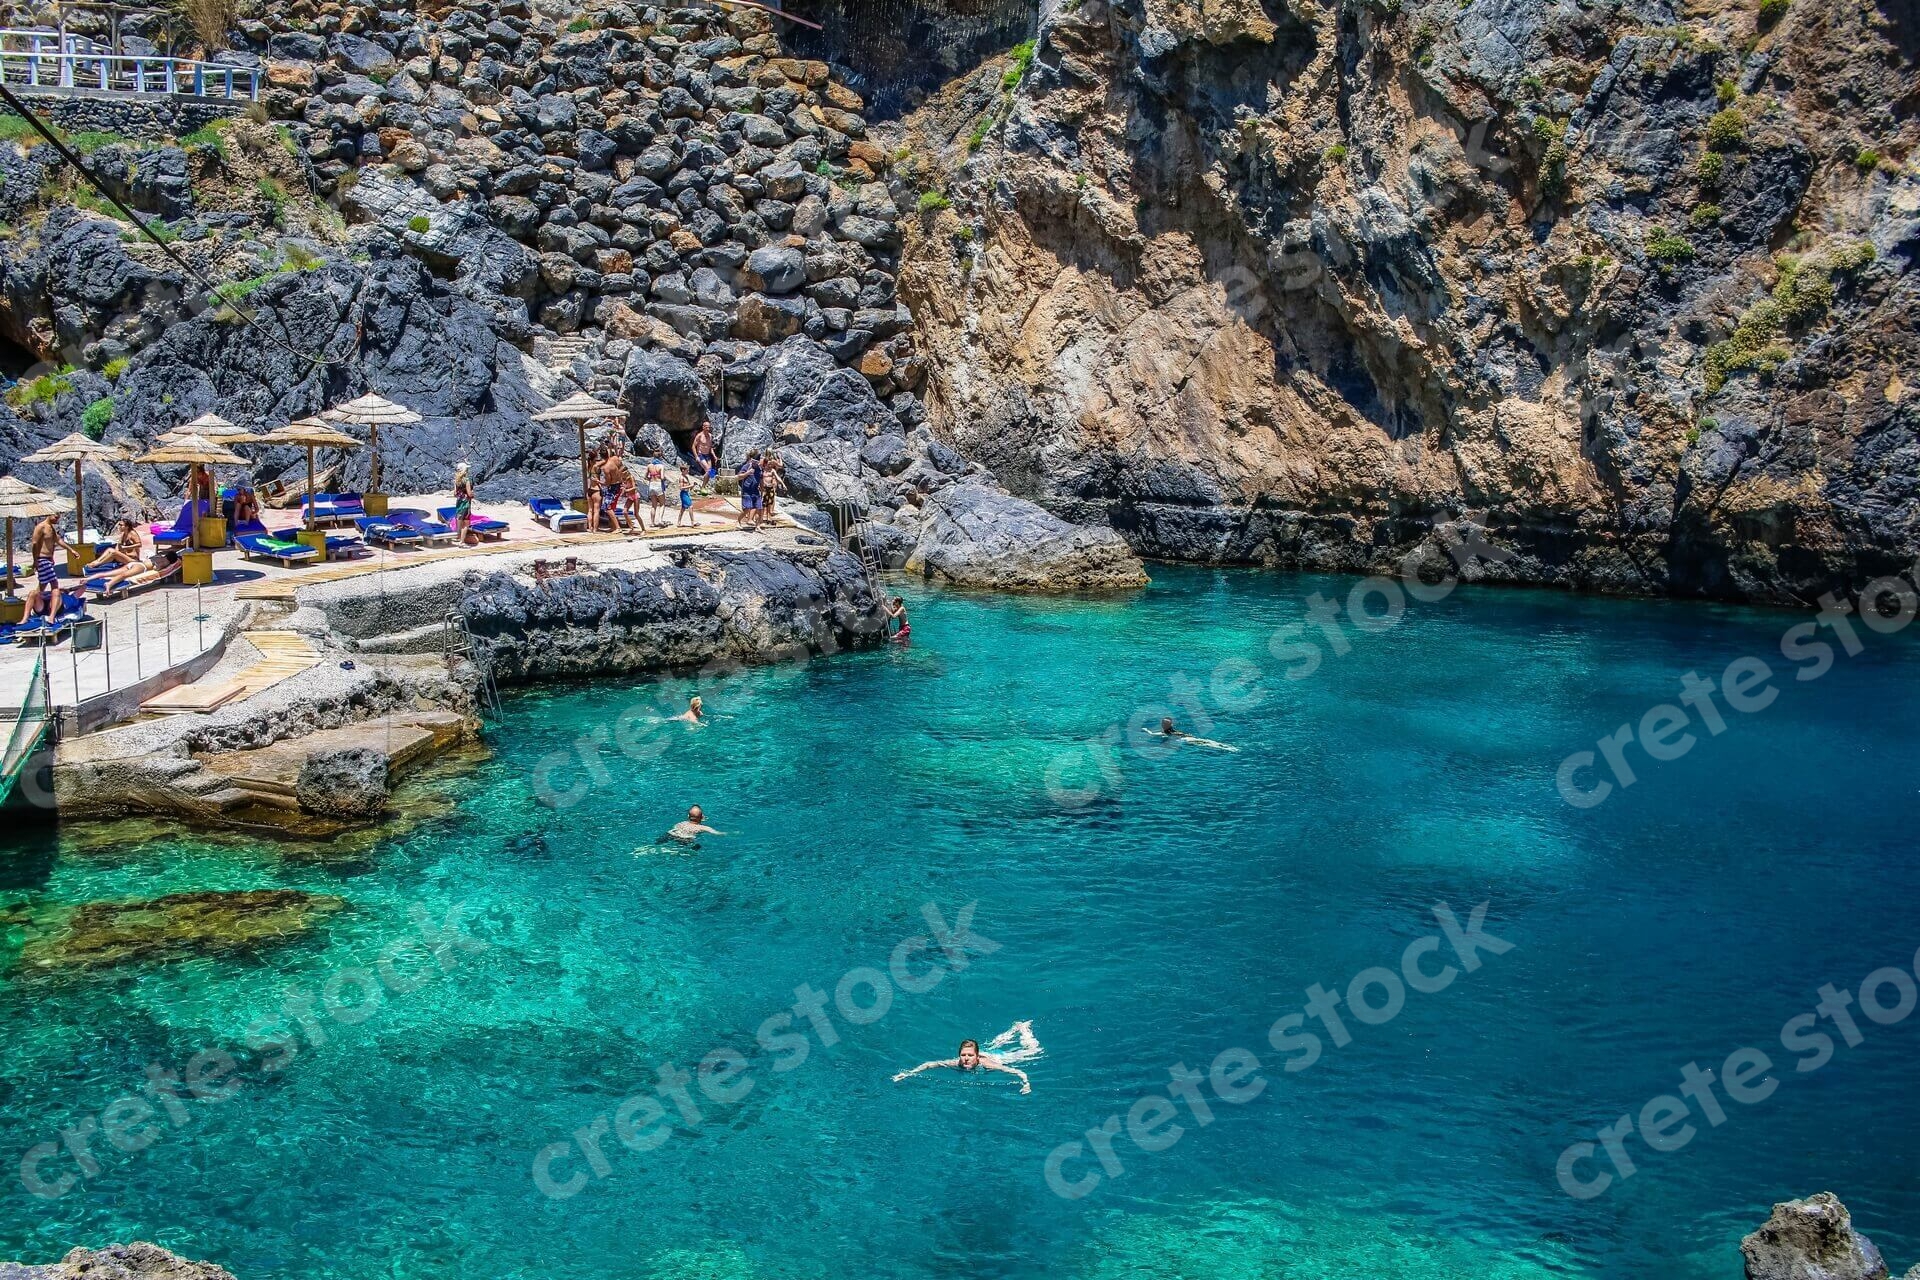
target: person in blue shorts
750 476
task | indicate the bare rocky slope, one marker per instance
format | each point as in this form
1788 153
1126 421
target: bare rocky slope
1294 283
476 209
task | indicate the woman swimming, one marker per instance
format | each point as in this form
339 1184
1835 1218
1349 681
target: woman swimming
1015 1044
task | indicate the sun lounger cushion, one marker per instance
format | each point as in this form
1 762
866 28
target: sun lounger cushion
275 549
556 515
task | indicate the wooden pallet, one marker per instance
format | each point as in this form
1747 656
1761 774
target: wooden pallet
282 654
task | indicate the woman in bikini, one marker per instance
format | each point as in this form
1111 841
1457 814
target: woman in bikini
897 612
657 491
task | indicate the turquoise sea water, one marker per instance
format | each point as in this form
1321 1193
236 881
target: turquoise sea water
1173 916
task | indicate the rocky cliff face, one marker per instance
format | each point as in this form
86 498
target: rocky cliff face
1294 283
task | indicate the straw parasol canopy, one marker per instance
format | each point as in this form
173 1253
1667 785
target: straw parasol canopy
372 412
311 433
21 501
580 408
192 450
77 449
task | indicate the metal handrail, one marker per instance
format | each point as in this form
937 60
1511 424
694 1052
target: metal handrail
125 73
29 729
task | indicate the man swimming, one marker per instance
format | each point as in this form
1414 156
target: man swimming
1024 1049
693 828
694 714
1175 736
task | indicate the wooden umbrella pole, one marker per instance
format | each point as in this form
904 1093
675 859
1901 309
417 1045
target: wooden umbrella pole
9 557
309 488
586 490
79 507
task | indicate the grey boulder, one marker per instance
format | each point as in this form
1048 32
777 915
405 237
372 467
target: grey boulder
974 536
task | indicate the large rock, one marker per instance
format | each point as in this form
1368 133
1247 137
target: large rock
1811 1239
136 1261
975 536
664 389
349 783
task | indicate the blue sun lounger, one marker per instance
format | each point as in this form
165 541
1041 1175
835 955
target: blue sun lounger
482 526
378 529
260 546
557 515
432 530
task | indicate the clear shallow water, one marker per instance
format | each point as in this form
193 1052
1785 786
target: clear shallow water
1177 916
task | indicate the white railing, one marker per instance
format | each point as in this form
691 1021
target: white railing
42 60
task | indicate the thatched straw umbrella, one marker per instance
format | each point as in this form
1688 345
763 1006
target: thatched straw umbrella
372 412
189 451
21 501
580 408
77 449
312 433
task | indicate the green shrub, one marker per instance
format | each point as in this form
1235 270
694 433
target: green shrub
419 224
1022 59
824 169
1770 13
1693 435
301 258
113 368
1664 248
88 141
98 414
1704 215
980 129
1709 424
1533 84
1711 169
1867 160
213 136
1335 153
275 197
1726 91
1802 294
1546 129
964 235
933 201
1726 130
44 389
15 128
580 24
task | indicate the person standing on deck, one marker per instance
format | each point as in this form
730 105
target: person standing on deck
703 456
43 546
463 506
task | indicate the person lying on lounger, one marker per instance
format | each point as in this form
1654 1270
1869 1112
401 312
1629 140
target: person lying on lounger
125 549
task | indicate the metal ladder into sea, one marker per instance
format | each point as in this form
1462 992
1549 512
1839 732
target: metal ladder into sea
850 525
457 642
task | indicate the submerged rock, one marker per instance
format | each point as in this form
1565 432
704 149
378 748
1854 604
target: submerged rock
136 1261
978 537
99 934
1811 1239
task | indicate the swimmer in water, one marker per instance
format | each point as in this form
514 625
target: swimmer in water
1175 736
1015 1044
694 714
693 828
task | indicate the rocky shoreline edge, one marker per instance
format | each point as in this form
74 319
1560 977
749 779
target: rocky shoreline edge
407 657
1811 1239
